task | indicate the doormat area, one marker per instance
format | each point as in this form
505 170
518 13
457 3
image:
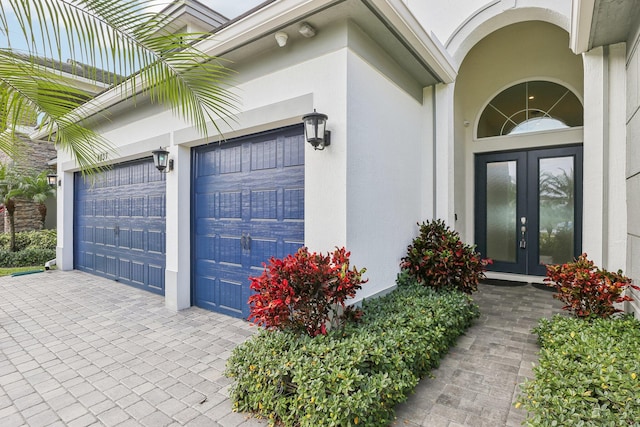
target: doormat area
497 282
543 287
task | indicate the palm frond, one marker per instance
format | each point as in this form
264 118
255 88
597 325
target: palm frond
121 38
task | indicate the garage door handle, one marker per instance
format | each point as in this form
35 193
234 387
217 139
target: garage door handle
116 230
245 242
248 242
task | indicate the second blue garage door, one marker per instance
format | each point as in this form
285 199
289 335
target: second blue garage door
248 205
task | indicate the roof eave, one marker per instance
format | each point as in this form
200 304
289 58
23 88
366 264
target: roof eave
276 15
581 22
426 45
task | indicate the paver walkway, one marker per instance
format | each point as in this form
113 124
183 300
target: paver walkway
478 380
79 350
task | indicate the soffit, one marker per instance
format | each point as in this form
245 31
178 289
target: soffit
612 20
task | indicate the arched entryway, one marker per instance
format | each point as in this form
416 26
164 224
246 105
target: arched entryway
518 131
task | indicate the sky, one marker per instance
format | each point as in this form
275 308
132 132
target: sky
228 8
231 8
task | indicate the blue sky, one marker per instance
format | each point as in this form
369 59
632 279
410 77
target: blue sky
228 8
231 8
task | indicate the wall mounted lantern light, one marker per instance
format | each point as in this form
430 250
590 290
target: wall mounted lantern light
162 161
315 130
51 179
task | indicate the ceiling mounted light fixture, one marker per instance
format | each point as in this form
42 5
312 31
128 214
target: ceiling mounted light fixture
307 30
281 38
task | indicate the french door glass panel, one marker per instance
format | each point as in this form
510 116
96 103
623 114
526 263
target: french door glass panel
557 210
501 211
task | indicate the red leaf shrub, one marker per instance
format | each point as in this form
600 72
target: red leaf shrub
439 259
305 292
586 289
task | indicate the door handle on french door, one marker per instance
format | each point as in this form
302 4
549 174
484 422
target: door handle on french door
523 231
243 242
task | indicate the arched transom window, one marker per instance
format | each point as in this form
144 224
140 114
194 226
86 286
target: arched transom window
530 107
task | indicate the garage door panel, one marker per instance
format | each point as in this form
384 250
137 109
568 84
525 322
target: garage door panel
293 203
228 250
293 152
230 160
263 155
156 206
155 275
119 225
264 204
262 250
252 187
230 295
229 205
155 240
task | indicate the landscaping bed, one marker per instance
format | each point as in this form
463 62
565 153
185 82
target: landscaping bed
33 248
354 375
588 373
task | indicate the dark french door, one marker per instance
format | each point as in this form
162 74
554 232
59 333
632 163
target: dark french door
529 208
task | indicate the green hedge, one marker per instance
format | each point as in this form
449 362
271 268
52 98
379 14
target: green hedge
26 258
588 373
351 376
40 239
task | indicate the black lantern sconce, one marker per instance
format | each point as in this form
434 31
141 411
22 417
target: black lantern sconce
51 179
162 161
315 130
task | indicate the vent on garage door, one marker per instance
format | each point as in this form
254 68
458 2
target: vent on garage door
248 206
119 225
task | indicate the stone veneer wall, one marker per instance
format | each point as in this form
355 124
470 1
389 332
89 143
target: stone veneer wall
33 156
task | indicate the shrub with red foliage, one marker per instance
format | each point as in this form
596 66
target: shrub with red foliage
586 289
305 292
438 258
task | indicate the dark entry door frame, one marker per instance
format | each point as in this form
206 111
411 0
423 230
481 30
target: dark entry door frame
521 237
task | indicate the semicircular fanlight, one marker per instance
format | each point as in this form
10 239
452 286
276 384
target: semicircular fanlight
530 107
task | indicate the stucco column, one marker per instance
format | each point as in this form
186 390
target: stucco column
595 111
64 215
604 206
444 153
178 230
616 203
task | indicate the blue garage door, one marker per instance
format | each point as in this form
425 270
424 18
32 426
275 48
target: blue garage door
119 225
248 206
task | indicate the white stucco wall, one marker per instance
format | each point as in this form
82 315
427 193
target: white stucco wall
384 164
633 163
365 191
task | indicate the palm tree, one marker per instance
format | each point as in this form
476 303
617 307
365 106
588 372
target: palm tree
9 191
121 38
37 189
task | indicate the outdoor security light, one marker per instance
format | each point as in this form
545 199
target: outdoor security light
314 130
161 160
51 179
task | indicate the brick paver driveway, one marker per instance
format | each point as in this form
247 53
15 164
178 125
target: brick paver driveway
80 350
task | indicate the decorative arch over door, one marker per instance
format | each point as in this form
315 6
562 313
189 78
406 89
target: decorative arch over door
531 106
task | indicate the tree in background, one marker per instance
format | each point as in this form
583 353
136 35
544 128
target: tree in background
9 191
36 188
122 42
